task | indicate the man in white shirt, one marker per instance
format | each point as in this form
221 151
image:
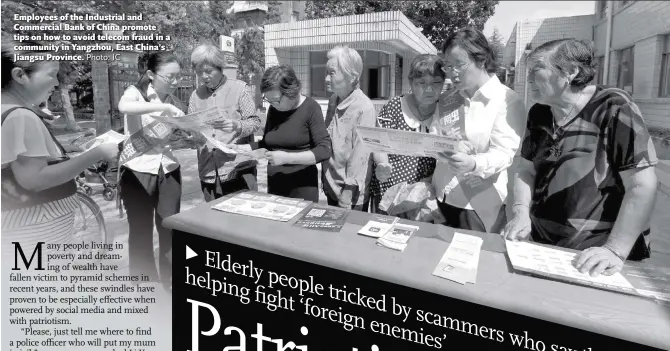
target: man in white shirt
489 118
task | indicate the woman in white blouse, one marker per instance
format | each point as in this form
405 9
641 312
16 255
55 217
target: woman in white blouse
489 118
151 183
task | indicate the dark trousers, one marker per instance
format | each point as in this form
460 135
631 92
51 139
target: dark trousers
150 198
301 184
245 181
461 218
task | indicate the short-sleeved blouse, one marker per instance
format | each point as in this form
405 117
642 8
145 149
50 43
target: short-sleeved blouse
24 134
578 191
408 169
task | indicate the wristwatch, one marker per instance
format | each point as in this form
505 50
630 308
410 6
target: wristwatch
615 252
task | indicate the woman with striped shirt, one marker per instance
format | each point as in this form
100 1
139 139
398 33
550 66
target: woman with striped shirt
38 188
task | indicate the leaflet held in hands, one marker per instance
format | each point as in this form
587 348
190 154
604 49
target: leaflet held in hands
400 142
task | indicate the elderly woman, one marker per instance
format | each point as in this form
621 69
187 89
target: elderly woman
586 180
222 174
346 175
416 112
295 136
488 118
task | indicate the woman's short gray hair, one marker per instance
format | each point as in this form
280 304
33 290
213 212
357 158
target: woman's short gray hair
208 54
564 56
426 64
349 61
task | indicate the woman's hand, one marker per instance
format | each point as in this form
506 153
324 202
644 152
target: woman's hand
596 261
383 171
227 125
458 162
108 151
172 111
277 158
519 227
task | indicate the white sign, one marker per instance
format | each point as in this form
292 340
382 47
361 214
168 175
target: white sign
227 44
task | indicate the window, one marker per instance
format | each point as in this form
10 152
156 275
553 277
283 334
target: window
398 75
317 76
375 81
295 16
665 68
601 70
625 77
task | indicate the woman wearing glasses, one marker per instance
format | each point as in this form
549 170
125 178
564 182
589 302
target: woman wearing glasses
489 119
222 174
150 184
295 136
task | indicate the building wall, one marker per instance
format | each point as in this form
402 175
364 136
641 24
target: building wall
298 58
642 25
538 32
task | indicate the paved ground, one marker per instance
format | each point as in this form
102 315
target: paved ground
192 196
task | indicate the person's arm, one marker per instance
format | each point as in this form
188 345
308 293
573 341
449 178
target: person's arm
132 104
250 122
505 139
630 153
524 184
519 227
635 213
33 173
359 165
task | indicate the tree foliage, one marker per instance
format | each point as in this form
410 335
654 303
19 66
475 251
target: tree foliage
186 23
497 44
437 18
250 54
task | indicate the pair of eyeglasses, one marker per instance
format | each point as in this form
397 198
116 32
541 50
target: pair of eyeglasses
275 102
170 79
459 68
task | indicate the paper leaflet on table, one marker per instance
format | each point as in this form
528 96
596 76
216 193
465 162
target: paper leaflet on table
322 217
255 204
377 227
460 261
398 236
406 143
555 263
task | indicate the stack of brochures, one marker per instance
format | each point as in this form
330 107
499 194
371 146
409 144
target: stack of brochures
262 205
378 226
321 217
389 232
397 237
461 259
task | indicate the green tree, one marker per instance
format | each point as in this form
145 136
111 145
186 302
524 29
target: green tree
184 24
250 54
497 44
437 18
274 12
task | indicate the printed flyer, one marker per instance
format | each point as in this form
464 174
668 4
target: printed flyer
315 228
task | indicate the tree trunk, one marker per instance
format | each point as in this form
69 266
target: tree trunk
67 107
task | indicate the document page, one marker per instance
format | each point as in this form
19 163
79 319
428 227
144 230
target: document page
400 142
461 259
